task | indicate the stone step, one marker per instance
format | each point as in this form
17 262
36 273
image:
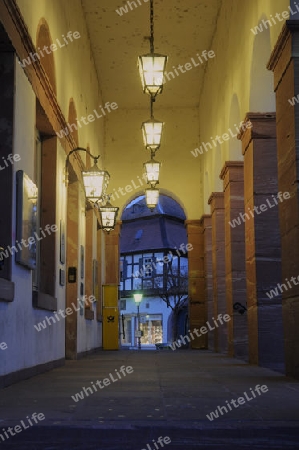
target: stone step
67 438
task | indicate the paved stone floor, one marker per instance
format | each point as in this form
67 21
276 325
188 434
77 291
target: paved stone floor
168 394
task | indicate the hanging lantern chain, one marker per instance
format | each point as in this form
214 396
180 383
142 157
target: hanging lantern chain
152 42
152 107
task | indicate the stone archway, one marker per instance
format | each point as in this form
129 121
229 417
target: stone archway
150 236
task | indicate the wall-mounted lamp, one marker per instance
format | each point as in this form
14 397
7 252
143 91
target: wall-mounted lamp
108 214
95 180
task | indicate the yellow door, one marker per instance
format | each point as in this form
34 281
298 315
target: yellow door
110 317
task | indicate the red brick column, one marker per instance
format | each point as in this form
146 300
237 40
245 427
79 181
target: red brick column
233 184
262 242
197 300
208 274
218 265
285 64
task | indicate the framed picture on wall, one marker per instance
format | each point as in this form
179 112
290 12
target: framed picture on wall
27 221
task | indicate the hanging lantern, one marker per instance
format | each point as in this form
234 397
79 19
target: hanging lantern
95 180
151 69
152 134
152 65
108 215
95 183
152 171
152 198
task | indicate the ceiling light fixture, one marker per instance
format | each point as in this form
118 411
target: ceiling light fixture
152 171
152 65
152 132
151 198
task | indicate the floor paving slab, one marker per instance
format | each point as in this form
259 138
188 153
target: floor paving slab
168 394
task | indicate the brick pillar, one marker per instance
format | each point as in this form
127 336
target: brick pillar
285 64
262 242
197 304
208 274
218 264
232 175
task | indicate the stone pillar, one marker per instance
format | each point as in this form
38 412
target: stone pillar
72 262
88 309
262 242
112 255
197 303
285 64
99 274
232 175
218 265
208 274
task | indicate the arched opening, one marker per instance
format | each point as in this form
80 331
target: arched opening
43 38
154 262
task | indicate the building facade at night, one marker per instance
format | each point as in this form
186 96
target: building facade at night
154 261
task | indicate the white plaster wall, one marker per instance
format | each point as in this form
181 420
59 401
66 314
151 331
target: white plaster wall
26 346
76 78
